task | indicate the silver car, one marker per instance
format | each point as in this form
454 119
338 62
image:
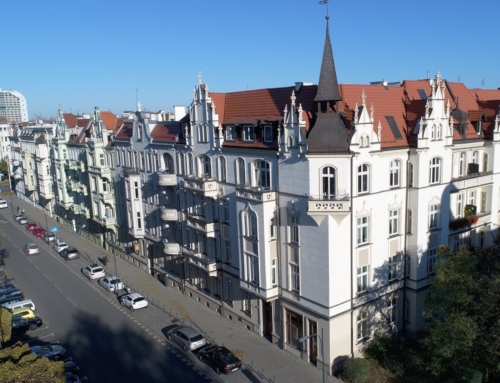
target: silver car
186 337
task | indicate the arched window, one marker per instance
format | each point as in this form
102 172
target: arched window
328 182
435 171
463 162
240 168
361 141
250 224
438 132
433 132
410 174
189 164
168 163
262 175
395 173
205 166
222 169
363 178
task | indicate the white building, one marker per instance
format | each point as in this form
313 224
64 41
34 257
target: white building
4 140
13 106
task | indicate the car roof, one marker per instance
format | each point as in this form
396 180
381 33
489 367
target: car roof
94 267
135 295
188 331
31 244
19 309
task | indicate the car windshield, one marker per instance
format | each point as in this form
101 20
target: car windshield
196 338
115 281
230 358
138 299
97 270
61 244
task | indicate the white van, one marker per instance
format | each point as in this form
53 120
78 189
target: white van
27 303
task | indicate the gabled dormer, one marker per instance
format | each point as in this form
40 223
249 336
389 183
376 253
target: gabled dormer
363 136
293 125
62 132
328 133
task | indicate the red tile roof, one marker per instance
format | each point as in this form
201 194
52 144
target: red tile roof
70 119
486 94
110 120
166 131
125 131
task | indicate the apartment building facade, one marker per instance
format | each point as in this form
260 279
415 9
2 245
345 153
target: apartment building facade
13 106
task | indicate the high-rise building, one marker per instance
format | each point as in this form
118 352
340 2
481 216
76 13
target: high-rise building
13 106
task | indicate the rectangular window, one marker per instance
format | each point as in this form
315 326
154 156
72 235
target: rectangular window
433 216
136 189
393 222
139 220
460 206
294 329
268 133
251 268
483 202
431 260
273 272
248 133
247 304
230 133
272 229
362 279
409 221
392 310
362 321
472 198
362 227
295 277
392 268
294 229
101 159
229 290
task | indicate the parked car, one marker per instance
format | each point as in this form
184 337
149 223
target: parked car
21 326
28 303
38 232
112 283
11 298
10 292
70 253
220 359
186 337
134 301
48 237
51 351
94 272
60 246
6 286
31 248
70 366
23 313
31 226
23 220
18 216
3 204
72 378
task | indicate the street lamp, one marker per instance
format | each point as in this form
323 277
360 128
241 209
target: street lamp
304 338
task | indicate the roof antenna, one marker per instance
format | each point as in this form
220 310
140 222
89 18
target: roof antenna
325 2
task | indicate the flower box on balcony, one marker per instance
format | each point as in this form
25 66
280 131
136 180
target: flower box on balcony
462 222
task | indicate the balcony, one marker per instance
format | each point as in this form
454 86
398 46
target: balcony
77 209
169 214
171 248
207 186
257 193
165 179
46 193
71 164
136 233
107 197
64 204
16 163
473 179
84 189
44 177
108 221
73 185
151 236
207 228
338 207
28 172
101 171
202 261
29 186
17 176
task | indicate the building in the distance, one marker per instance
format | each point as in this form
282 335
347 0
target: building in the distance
13 106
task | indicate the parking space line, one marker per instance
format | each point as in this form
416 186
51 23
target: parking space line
72 301
38 268
58 288
46 277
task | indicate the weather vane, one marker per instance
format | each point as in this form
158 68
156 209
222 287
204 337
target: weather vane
325 2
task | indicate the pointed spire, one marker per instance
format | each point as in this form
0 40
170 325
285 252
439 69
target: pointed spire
328 86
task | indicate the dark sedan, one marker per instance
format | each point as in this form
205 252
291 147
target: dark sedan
21 326
220 359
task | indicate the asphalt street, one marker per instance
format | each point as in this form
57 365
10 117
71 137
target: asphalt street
105 340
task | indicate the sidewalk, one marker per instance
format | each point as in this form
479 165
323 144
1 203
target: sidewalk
264 361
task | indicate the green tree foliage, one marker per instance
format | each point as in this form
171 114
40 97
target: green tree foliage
356 370
463 309
19 365
5 325
3 120
4 166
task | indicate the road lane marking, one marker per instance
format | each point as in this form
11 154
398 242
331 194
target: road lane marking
72 301
58 288
47 277
38 268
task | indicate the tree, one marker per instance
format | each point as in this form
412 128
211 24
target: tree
5 325
4 166
3 120
463 309
19 365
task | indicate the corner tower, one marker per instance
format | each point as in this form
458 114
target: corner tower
328 133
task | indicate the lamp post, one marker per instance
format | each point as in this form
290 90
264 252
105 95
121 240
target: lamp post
304 338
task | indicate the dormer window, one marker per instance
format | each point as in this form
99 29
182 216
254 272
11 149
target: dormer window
479 127
248 133
202 133
230 133
268 133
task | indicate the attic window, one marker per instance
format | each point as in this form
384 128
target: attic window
230 133
394 127
479 127
422 94
268 133
248 133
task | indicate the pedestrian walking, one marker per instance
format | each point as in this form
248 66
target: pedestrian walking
105 259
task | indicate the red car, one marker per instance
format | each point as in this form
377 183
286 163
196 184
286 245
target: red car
31 226
39 231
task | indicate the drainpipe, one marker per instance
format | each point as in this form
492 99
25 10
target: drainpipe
278 252
352 259
405 243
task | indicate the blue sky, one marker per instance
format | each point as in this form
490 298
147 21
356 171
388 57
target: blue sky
85 53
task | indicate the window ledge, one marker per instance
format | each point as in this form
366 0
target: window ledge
362 340
363 244
362 293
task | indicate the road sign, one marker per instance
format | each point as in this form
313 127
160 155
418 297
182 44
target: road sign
54 229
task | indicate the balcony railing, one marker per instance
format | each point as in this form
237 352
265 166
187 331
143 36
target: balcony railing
169 214
207 186
472 179
337 206
171 248
203 261
84 189
166 179
256 193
